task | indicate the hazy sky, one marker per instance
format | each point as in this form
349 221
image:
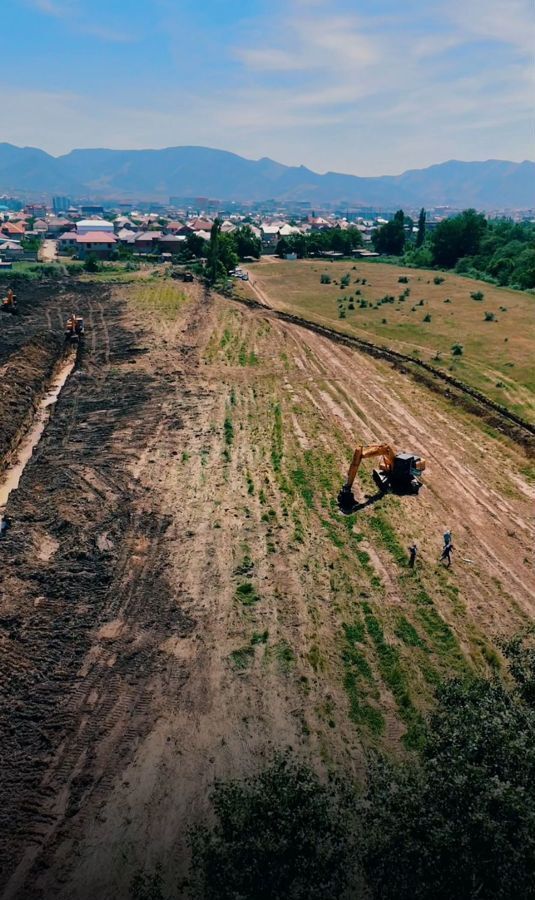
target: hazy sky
367 87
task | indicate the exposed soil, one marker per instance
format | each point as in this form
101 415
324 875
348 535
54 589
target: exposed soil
178 590
25 375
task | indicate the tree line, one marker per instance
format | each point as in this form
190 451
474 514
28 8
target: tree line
499 251
455 819
337 240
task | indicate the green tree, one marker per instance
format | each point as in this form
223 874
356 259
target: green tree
281 834
196 246
390 238
212 262
91 263
228 256
459 822
420 237
246 242
457 237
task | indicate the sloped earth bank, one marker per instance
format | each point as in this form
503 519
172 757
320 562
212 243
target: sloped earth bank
180 595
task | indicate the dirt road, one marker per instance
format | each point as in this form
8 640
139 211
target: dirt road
179 595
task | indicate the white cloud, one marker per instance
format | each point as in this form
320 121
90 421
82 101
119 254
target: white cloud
365 94
73 15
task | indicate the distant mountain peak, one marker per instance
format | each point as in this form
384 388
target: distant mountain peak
192 171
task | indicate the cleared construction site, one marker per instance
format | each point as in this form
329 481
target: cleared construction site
207 511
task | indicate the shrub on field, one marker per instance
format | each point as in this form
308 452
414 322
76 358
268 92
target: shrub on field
438 279
403 279
325 279
427 317
490 317
282 833
477 295
457 349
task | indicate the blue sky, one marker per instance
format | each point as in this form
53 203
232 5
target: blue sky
367 87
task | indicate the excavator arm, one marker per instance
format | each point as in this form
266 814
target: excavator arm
385 450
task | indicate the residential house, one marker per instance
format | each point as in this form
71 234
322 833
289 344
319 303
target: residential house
89 226
145 242
13 230
125 235
11 250
99 243
57 225
171 243
66 240
40 227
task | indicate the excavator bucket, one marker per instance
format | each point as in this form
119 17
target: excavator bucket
346 501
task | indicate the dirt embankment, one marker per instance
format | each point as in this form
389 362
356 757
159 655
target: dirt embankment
24 380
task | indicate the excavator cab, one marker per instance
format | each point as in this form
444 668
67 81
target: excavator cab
397 472
9 303
74 329
403 477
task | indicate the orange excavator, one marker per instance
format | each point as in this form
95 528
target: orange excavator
398 472
9 302
74 329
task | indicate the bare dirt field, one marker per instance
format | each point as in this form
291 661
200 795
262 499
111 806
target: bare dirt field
179 594
416 315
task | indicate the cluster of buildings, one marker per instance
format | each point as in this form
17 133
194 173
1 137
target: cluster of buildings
90 230
84 230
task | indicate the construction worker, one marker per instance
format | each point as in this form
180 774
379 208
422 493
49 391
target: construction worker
446 554
413 550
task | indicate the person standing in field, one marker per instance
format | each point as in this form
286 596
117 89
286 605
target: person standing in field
413 550
446 554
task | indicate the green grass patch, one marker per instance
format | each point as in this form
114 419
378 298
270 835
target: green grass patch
393 675
260 637
302 483
389 538
357 680
333 533
242 658
315 658
408 634
246 594
284 655
228 431
277 444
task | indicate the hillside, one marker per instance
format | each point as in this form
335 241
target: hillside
201 171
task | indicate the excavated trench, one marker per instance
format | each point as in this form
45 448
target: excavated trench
28 437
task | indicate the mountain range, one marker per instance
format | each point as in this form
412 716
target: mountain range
204 172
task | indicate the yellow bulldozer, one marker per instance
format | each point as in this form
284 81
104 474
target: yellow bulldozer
398 472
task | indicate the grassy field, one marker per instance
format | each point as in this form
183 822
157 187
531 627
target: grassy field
421 312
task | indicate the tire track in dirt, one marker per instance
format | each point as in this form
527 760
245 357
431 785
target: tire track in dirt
97 679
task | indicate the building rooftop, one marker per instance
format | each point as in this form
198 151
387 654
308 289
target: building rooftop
96 237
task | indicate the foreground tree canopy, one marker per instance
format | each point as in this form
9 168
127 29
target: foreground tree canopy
455 821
